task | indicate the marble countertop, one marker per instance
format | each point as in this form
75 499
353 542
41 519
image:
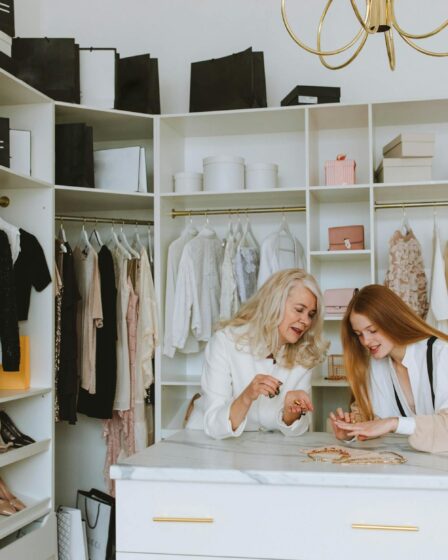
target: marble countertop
273 459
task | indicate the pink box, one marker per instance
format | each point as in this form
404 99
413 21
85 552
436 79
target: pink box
340 171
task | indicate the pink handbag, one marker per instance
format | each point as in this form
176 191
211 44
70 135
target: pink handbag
337 300
346 238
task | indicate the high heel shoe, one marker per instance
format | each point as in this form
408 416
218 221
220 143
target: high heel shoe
6 494
6 508
10 433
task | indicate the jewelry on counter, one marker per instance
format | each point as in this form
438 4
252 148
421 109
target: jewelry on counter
338 454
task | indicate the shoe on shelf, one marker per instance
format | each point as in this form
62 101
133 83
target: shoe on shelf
11 434
6 508
7 496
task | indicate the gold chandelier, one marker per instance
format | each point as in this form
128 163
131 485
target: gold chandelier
379 18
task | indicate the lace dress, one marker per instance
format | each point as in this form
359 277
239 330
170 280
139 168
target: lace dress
247 262
406 274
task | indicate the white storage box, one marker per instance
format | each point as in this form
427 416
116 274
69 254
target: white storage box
97 77
261 176
120 169
400 170
410 144
187 181
20 151
223 173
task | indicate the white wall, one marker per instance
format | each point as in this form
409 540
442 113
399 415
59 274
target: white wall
181 31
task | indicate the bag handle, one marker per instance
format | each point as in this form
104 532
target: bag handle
87 512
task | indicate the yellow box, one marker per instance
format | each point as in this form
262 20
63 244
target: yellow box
18 379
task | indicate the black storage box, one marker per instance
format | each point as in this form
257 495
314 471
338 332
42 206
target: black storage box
74 155
4 141
312 95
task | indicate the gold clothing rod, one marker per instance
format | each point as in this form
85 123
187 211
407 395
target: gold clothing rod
222 212
422 204
90 219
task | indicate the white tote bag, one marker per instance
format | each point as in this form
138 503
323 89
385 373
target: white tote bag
71 537
98 516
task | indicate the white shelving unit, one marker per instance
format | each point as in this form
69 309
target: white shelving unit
299 140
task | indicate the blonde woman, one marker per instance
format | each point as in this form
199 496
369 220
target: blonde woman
257 370
397 366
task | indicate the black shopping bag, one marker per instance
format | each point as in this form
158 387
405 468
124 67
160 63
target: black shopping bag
7 17
49 65
98 511
138 84
74 155
232 82
4 142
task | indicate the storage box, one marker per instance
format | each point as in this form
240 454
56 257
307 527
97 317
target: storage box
187 181
346 238
312 95
336 300
120 169
223 173
340 171
261 176
410 144
397 170
20 147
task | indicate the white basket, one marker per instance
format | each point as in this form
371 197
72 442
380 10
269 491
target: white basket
223 173
261 176
187 181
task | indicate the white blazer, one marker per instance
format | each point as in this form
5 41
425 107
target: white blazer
383 379
227 371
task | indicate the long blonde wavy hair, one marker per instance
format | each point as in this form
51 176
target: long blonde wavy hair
395 319
264 312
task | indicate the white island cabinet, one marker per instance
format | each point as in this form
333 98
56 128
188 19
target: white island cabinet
259 496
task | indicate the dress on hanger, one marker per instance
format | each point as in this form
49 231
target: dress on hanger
13 234
174 255
100 404
247 261
58 291
273 258
9 325
406 273
228 304
90 314
438 305
198 288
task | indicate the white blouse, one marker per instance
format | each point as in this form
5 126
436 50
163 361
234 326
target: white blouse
383 379
228 370
276 254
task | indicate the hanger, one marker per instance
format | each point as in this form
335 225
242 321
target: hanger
238 229
63 237
151 257
124 241
190 227
286 235
405 227
84 243
248 238
206 226
96 235
137 241
115 241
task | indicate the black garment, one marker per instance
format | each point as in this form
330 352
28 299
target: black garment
9 325
30 269
68 370
100 404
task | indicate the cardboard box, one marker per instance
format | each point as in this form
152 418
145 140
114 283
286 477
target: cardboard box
312 95
410 144
407 170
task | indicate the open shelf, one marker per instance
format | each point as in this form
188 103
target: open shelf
340 255
341 193
78 199
33 511
15 92
15 455
14 395
11 180
182 381
321 382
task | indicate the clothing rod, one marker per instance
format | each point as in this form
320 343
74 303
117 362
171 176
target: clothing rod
4 201
422 204
119 221
276 209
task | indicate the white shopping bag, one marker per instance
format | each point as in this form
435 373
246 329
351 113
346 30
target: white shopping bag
120 169
98 516
71 539
97 77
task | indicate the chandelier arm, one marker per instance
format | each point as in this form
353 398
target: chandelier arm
390 47
421 49
351 59
314 51
404 33
363 23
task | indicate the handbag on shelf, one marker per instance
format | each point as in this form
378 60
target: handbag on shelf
49 65
232 82
336 300
346 238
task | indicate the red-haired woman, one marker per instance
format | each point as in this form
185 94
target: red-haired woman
397 367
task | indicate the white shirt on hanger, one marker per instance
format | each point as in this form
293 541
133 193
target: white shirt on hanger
228 304
383 379
273 258
438 304
13 234
228 369
198 288
174 255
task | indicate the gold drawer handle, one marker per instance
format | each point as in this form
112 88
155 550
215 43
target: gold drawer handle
183 519
403 528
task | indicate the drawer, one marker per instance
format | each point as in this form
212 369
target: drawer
280 522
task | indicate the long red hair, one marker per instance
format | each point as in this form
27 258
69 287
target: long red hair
395 319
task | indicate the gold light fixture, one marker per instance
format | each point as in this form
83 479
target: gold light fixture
379 18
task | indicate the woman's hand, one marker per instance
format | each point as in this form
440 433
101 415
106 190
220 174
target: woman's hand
296 404
261 385
368 430
341 416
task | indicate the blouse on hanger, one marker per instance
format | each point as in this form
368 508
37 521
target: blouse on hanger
273 258
13 234
438 305
90 314
198 288
228 304
247 261
406 273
